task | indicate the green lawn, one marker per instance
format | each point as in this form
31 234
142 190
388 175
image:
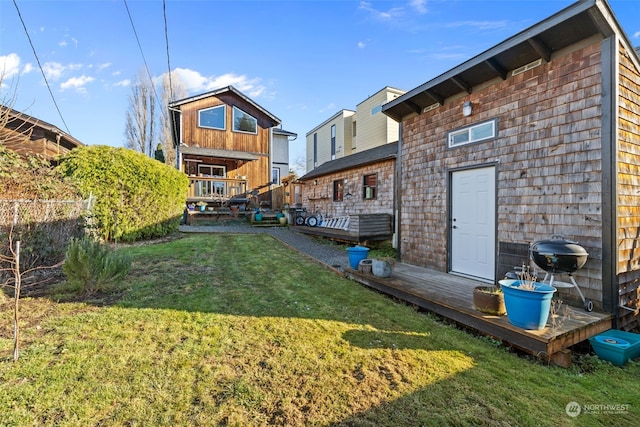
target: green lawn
240 330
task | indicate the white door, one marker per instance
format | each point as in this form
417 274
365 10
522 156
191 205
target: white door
473 194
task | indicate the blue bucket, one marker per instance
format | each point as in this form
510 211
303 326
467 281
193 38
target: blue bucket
357 254
527 309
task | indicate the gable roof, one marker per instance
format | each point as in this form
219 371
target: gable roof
577 22
373 155
227 89
21 123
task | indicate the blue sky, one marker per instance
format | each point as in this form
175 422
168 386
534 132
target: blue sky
303 61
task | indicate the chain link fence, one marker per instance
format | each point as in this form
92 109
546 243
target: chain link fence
44 228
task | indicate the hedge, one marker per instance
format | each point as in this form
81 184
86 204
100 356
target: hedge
136 197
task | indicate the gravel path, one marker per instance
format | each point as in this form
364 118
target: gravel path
331 254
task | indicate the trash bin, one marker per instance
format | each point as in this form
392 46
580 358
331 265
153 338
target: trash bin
357 254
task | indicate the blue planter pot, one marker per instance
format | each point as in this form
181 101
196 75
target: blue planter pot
527 309
357 254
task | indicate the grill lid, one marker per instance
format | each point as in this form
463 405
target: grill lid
557 245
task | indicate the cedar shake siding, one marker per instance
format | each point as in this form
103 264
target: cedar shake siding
628 186
566 153
547 154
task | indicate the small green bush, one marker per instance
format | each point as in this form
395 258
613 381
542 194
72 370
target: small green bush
93 267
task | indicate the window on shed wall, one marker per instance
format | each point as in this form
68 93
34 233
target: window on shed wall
338 190
370 183
212 118
470 134
243 122
275 176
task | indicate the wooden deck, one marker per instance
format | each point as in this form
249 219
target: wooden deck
451 296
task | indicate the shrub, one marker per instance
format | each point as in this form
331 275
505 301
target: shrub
93 267
136 197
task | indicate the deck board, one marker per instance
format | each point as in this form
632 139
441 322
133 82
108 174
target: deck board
451 296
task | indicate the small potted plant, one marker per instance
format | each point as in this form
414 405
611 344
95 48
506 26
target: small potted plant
489 300
191 207
202 205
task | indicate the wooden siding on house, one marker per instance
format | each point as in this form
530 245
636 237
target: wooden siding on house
375 129
547 156
257 172
628 184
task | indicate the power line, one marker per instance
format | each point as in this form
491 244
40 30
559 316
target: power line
155 94
166 38
40 66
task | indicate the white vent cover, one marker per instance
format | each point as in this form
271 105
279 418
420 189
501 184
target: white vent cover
431 107
527 67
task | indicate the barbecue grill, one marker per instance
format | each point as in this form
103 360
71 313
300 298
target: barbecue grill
560 256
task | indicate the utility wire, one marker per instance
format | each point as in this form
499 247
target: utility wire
155 94
166 38
40 66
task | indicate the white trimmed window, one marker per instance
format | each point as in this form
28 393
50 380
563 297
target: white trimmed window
212 118
470 134
243 122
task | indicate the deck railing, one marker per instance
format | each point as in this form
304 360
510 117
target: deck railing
216 189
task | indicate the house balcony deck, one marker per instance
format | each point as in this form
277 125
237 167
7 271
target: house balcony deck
216 190
451 296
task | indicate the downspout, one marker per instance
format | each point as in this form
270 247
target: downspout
270 171
397 194
610 286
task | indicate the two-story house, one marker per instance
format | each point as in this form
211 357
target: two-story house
229 146
348 132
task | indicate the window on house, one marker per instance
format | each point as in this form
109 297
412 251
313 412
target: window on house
315 150
333 142
369 186
338 190
470 134
375 110
243 122
354 128
275 176
212 118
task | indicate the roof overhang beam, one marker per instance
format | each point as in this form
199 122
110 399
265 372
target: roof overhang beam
540 48
495 66
461 84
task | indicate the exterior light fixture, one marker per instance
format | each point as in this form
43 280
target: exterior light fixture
467 108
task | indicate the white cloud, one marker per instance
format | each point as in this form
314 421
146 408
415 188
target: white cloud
63 43
196 82
104 66
390 14
362 45
77 83
53 70
28 67
478 25
123 83
9 65
331 107
636 35
419 6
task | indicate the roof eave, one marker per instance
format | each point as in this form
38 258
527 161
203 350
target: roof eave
405 105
